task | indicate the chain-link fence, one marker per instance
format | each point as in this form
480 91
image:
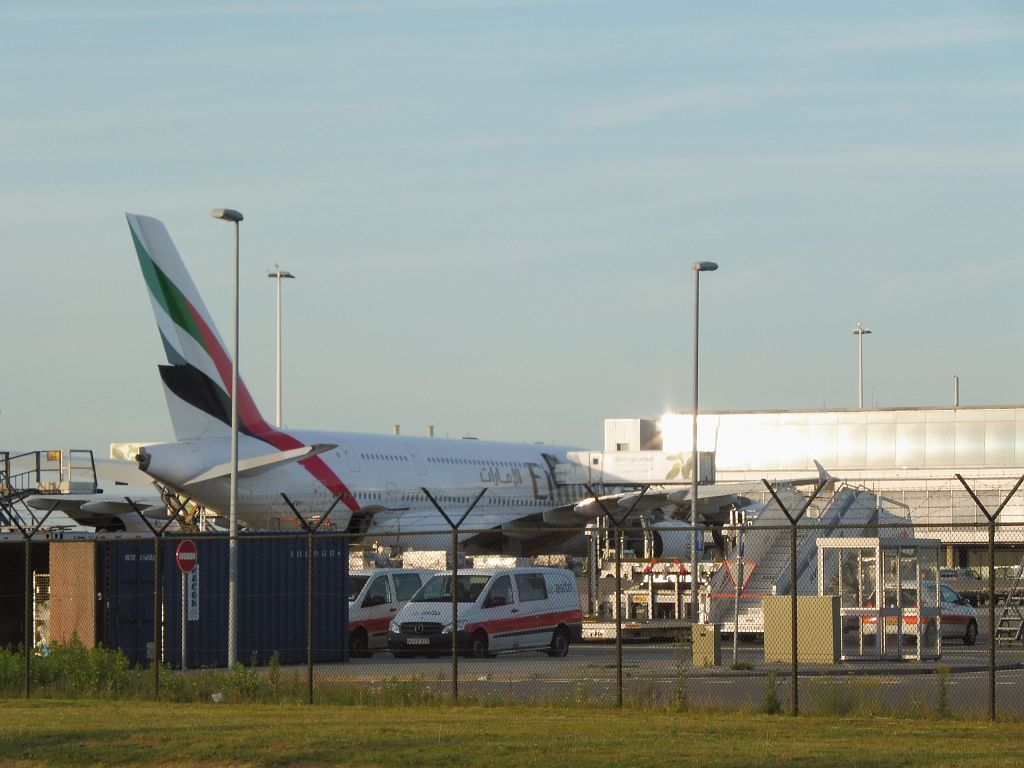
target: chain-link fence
831 602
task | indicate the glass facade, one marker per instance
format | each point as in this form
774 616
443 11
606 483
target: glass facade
889 439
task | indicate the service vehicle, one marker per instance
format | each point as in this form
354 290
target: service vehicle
500 610
958 620
374 597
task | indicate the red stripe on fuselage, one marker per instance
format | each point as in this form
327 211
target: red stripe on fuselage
254 424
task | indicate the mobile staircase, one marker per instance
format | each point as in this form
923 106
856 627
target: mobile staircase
35 472
850 512
1010 627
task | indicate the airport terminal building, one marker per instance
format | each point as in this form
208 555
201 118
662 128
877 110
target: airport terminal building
909 457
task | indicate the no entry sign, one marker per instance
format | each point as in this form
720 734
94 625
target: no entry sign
186 555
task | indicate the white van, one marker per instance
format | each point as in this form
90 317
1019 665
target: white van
500 610
374 597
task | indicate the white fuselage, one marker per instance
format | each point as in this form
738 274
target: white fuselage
385 475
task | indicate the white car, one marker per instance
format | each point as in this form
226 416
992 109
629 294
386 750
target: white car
958 618
374 597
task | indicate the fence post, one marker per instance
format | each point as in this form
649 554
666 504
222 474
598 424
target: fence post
455 614
455 581
310 531
793 617
27 534
991 517
157 585
617 525
28 616
992 619
793 520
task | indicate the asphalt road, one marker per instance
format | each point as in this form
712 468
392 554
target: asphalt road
660 673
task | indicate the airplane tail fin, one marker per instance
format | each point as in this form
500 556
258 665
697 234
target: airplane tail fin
197 377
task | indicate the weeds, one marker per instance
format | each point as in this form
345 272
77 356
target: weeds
845 697
942 704
71 671
771 704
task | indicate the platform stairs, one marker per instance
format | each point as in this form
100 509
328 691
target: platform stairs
30 473
850 512
1010 626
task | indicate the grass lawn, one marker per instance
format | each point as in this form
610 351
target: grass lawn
84 732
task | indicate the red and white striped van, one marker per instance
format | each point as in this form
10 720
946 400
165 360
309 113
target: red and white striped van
500 610
374 597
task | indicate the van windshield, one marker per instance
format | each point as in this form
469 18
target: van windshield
355 586
439 589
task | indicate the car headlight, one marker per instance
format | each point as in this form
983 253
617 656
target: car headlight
447 628
394 627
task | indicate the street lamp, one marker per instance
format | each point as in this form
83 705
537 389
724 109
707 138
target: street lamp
233 216
279 275
697 267
860 332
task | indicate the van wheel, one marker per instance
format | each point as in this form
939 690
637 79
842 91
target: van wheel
972 633
478 645
359 644
559 643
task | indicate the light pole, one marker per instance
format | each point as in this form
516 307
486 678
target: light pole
279 275
234 216
860 332
698 267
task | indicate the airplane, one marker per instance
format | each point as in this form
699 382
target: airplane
374 482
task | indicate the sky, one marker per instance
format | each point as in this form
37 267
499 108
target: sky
491 208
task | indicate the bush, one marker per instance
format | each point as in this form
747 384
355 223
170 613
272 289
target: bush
12 672
74 670
70 671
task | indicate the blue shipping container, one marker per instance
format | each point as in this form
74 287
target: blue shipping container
126 589
272 578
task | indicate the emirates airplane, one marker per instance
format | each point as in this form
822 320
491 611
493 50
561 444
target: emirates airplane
379 479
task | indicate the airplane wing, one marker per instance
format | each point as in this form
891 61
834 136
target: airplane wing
710 499
259 464
104 512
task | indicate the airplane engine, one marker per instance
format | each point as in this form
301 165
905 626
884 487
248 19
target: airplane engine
668 539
